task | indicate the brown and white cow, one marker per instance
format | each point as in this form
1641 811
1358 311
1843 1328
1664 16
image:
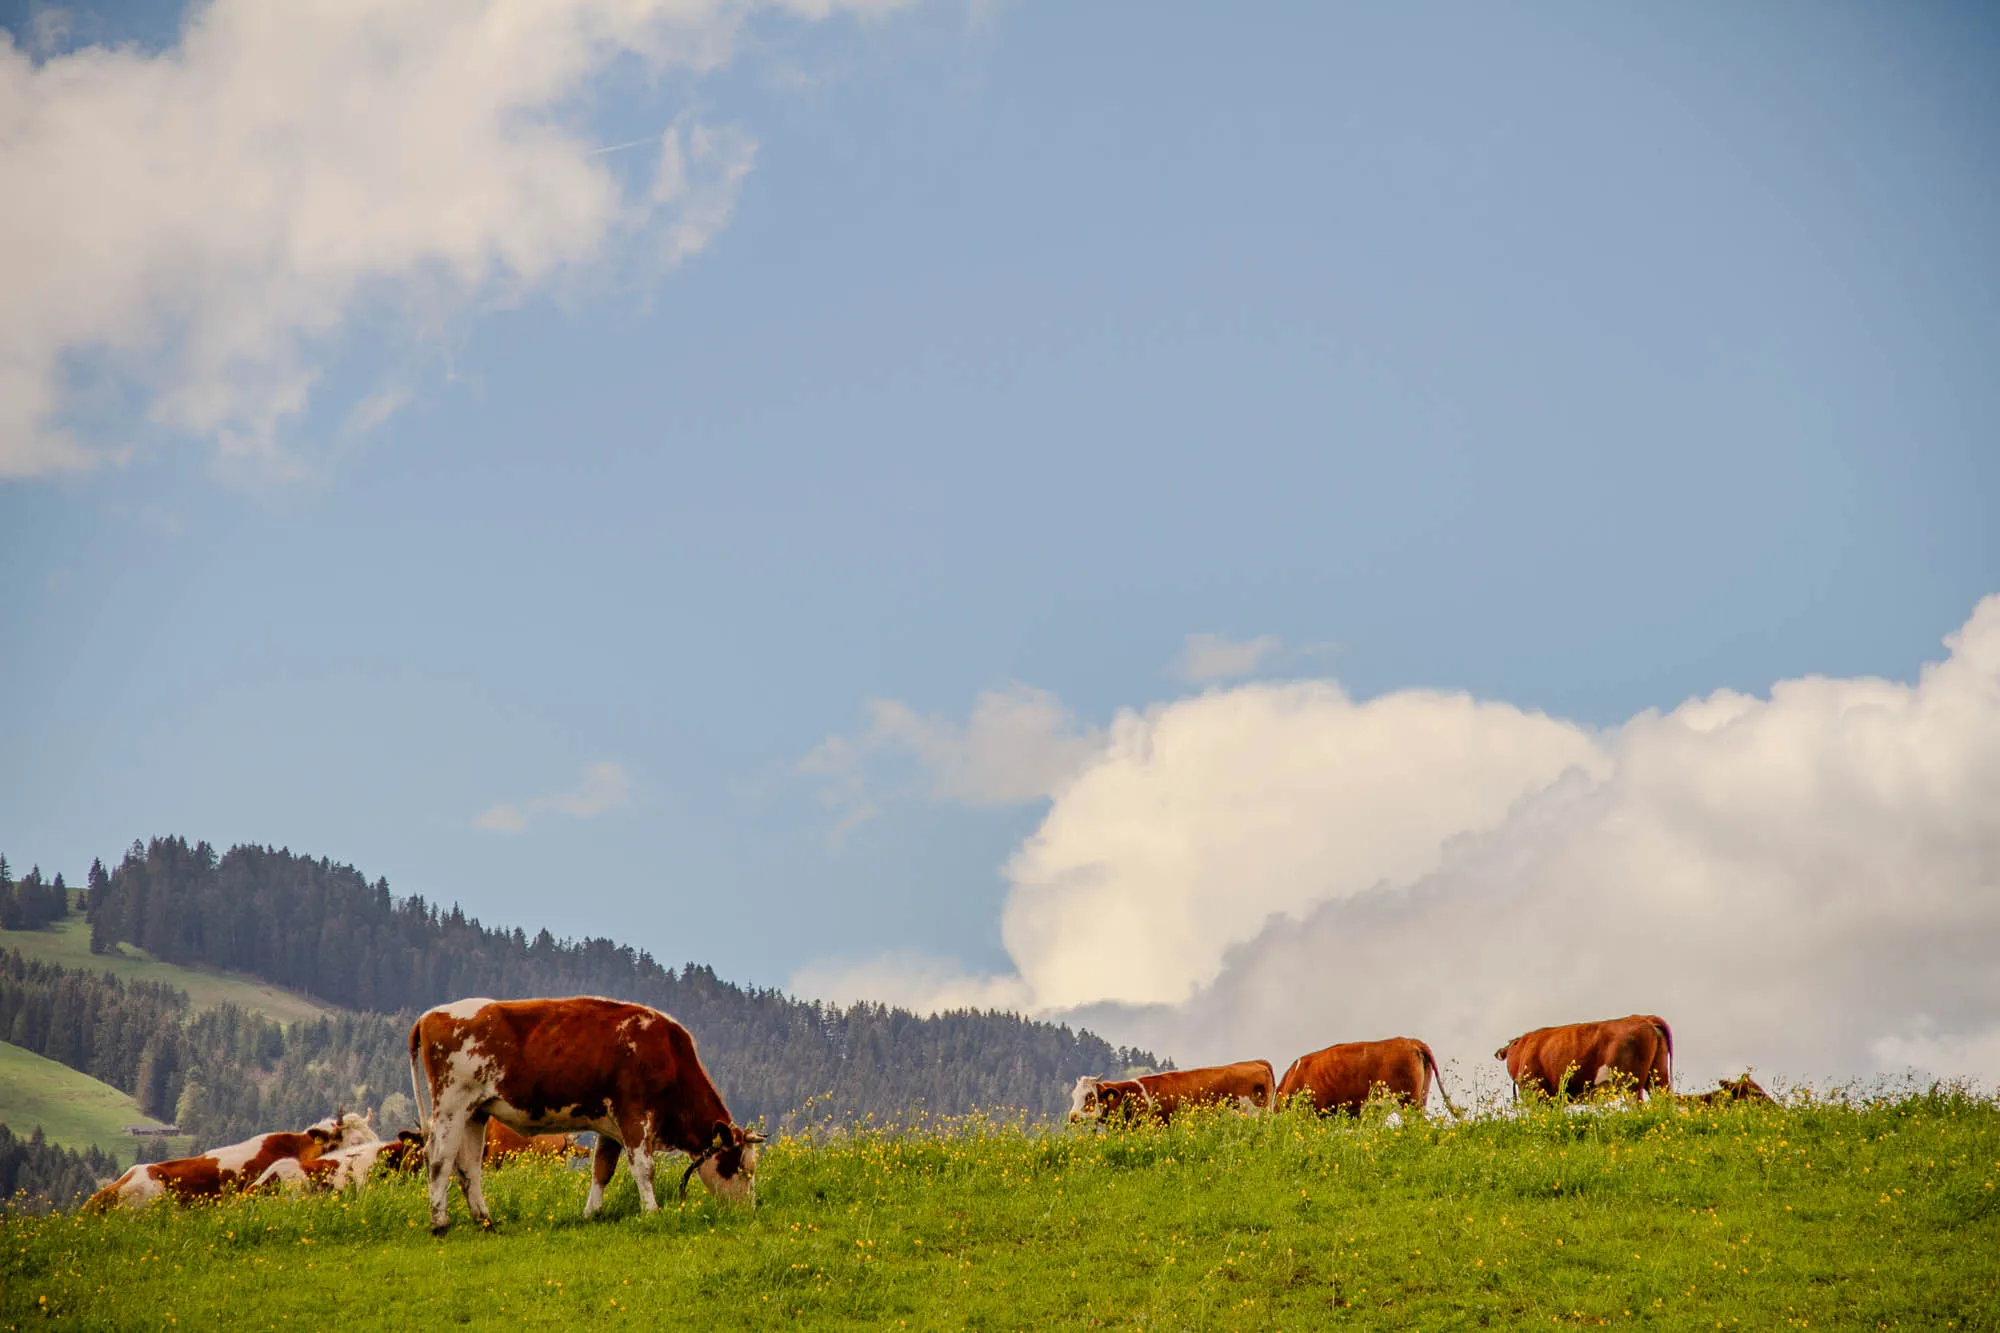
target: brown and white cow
219 1170
1578 1058
1248 1083
503 1143
625 1071
346 1168
1342 1077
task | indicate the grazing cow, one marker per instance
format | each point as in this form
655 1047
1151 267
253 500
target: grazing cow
346 1167
1743 1089
1341 1078
502 1143
628 1072
1580 1057
1248 1083
221 1169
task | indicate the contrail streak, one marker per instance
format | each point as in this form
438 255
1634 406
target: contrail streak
618 147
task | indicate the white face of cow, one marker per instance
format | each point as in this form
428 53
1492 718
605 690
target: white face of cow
738 1187
345 1131
1083 1097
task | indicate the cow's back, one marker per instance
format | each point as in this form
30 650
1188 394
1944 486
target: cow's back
1576 1057
1342 1077
1246 1080
563 1063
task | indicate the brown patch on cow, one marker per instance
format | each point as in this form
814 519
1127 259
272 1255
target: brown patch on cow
1575 1059
1343 1077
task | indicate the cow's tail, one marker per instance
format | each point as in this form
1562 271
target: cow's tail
417 1079
1667 1036
1270 1087
1430 1063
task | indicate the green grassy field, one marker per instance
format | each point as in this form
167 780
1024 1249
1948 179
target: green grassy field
73 1109
1884 1215
68 945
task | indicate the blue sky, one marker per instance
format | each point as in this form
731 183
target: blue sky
1581 358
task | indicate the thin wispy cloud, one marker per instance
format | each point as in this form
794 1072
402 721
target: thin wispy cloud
1019 745
1211 657
604 786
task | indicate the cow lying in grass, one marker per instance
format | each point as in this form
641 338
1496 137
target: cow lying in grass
1248 1084
1743 1089
346 1168
503 1143
221 1170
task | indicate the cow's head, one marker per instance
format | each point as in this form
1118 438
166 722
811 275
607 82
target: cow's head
728 1165
1083 1098
344 1129
1743 1089
1121 1097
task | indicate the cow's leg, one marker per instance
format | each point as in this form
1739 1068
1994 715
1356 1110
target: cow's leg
602 1163
468 1167
642 1176
441 1148
638 1132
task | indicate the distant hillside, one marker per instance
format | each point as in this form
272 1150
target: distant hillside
221 1074
73 1110
67 944
321 928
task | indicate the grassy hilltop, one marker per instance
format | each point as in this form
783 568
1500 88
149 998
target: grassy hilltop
1883 1214
67 944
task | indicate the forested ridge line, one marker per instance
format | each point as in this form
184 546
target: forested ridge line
322 928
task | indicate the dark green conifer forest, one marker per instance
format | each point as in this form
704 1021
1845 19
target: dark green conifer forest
323 929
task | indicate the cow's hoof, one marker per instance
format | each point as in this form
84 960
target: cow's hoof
439 1228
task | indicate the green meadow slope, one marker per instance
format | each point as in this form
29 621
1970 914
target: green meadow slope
1883 1215
67 944
73 1109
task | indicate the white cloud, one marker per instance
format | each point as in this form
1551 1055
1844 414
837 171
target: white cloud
605 786
200 222
1207 815
1808 883
1207 657
1019 745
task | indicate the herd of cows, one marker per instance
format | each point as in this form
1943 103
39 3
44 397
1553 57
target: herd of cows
520 1076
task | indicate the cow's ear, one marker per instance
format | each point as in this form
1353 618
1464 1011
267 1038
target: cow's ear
721 1137
318 1135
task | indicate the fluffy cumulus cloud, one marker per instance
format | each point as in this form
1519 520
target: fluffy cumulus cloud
604 786
198 223
1807 883
1204 818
